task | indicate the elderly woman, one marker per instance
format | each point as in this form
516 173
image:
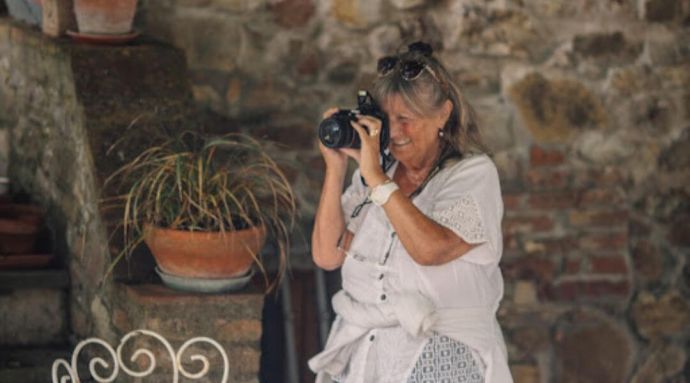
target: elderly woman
419 242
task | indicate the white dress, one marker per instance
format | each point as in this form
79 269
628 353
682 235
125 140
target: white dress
390 307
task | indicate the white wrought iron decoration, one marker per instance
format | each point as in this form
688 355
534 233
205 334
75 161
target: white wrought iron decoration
73 375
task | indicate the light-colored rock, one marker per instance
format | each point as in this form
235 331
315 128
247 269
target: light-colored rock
407 4
495 122
448 18
195 33
600 147
101 319
357 14
525 293
667 315
525 373
555 110
384 41
207 96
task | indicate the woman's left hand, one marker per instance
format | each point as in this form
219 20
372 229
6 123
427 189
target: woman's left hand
369 130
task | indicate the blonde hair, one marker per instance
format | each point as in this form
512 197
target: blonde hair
426 94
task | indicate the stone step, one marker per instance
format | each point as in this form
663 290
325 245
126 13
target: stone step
34 279
33 308
30 364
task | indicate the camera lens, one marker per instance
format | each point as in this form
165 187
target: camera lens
330 133
336 132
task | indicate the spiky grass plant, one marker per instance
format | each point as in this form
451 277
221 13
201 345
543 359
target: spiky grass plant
194 183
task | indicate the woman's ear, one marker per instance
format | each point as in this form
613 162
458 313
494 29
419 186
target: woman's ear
446 109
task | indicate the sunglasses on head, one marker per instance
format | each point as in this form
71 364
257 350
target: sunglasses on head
410 69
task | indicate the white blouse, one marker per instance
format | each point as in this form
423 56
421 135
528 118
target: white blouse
390 305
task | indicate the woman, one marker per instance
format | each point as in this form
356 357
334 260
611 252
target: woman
419 243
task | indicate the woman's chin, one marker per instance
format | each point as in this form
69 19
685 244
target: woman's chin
400 150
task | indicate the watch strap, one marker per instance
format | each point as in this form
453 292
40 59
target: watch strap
381 193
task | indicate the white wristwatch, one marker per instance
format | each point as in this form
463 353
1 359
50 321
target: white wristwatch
380 194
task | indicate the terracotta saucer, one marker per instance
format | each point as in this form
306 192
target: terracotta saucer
95 38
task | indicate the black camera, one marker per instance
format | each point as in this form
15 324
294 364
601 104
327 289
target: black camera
336 131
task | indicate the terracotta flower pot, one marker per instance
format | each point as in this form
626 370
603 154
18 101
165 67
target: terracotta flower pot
105 17
204 255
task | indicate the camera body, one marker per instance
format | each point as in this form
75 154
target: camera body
336 131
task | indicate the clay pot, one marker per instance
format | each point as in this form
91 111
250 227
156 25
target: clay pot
105 17
19 228
204 255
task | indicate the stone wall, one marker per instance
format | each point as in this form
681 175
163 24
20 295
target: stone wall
585 105
68 113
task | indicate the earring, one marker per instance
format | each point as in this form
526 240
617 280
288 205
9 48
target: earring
441 133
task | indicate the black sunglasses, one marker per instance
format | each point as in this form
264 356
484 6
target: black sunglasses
409 69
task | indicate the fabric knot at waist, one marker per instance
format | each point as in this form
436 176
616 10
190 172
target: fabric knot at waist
417 315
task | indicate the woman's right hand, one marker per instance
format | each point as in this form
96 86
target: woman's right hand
336 159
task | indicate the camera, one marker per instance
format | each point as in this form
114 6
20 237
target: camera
336 131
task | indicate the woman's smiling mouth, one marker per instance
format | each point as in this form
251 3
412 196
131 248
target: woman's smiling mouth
402 142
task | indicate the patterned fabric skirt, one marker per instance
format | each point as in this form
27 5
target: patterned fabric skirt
445 360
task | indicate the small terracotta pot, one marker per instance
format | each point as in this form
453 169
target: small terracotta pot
105 17
203 254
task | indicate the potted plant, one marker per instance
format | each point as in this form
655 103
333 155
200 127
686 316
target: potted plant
105 17
204 206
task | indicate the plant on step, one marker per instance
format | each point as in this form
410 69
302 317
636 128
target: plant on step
194 183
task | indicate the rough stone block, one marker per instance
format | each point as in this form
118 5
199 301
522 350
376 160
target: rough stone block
604 242
608 265
659 10
513 201
525 293
33 316
357 14
592 347
600 197
553 200
540 156
292 13
548 179
599 218
665 361
556 110
527 223
234 320
612 47
589 289
525 373
539 269
667 315
58 17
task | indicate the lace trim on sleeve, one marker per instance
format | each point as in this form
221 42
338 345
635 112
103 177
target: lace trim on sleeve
464 219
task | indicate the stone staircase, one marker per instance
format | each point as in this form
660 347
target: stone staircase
34 328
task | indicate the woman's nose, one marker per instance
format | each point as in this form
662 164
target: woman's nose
395 129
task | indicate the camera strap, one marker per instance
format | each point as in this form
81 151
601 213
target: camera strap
387 161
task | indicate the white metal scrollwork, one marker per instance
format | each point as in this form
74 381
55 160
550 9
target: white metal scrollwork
150 359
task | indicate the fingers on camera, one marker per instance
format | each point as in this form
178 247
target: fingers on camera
329 112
